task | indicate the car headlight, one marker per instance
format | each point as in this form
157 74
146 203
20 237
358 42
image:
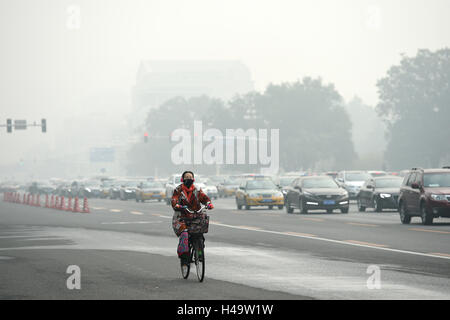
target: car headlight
385 195
438 197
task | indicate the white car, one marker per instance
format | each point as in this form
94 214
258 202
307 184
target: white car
173 182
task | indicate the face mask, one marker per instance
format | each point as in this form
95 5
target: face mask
188 182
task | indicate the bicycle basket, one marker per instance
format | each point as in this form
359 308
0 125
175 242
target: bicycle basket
199 225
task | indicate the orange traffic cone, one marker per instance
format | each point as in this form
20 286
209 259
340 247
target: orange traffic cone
76 205
61 204
85 206
69 205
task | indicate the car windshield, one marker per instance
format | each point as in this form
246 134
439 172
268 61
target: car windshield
232 182
357 176
107 183
260 184
152 184
436 180
285 181
389 183
319 183
130 183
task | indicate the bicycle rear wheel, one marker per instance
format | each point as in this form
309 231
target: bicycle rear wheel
186 268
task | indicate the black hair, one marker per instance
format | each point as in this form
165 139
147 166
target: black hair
182 176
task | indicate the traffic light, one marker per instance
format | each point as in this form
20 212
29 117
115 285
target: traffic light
44 125
146 137
8 125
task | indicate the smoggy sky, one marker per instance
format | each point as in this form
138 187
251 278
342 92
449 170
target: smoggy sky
52 59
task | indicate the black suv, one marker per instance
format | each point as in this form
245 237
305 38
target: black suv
425 193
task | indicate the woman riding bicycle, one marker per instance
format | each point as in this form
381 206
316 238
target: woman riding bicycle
186 196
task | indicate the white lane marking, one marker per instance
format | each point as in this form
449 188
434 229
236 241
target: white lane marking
115 210
11 237
98 208
336 241
138 213
132 222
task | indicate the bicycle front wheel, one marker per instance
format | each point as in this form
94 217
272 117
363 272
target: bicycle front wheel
199 260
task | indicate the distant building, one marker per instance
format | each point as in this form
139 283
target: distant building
160 80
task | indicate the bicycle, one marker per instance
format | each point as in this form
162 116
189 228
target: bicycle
196 249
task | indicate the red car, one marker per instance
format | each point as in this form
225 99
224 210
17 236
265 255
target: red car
425 193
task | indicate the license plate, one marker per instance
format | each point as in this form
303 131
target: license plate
329 202
267 200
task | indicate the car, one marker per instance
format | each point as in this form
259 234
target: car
114 189
316 193
89 189
150 190
257 192
228 187
173 181
377 173
425 193
379 193
128 189
332 174
352 181
208 188
283 182
104 188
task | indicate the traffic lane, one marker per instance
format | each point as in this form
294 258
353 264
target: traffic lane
371 228
162 226
274 269
42 274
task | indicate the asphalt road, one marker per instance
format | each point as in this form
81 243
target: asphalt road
127 250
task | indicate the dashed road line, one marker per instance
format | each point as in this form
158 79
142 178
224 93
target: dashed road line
441 254
299 234
362 224
115 210
138 213
313 219
131 222
367 243
427 230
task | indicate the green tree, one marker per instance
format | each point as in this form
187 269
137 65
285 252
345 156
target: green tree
415 104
